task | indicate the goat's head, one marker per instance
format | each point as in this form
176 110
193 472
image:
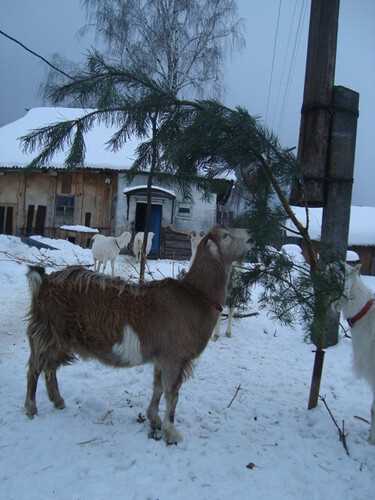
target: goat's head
124 239
227 244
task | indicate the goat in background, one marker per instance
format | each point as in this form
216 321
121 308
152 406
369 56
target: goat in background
107 248
238 295
138 243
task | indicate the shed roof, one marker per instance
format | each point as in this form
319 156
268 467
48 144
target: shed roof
98 155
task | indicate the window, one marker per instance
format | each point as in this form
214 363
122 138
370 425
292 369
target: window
87 219
184 211
40 219
6 219
30 219
64 213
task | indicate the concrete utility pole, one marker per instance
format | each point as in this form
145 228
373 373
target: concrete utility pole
326 153
327 141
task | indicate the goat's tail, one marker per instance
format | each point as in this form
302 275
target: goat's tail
35 277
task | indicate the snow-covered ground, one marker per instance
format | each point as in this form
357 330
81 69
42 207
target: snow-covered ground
95 449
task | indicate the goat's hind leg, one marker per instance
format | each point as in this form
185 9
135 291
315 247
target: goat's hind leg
153 409
32 382
53 387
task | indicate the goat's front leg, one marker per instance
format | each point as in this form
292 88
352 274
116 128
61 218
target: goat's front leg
171 380
153 409
113 268
216 333
372 429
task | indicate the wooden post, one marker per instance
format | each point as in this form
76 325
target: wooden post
317 98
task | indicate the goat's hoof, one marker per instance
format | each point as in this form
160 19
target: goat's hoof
215 337
229 335
155 434
31 409
155 422
59 404
171 436
371 440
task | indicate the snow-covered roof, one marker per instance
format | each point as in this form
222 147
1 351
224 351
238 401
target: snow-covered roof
79 229
144 186
361 228
97 153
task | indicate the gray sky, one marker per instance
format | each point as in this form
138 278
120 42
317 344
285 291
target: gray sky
50 26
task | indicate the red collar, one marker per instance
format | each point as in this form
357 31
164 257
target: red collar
365 309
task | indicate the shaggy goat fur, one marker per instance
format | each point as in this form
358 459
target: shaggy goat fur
169 322
355 296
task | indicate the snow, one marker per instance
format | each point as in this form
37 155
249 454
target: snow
80 229
361 228
144 186
96 449
352 256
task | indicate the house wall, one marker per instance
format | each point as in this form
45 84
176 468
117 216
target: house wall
202 213
93 193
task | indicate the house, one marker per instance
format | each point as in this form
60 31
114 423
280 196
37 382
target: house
98 194
361 237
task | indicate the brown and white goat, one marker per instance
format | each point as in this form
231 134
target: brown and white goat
168 323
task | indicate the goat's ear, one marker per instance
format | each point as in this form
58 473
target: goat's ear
212 248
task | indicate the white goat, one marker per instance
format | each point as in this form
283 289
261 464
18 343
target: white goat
195 238
138 242
107 248
238 294
358 307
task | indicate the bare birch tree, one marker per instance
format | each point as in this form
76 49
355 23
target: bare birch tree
180 43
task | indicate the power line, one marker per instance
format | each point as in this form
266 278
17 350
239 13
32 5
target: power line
292 61
36 55
273 59
285 65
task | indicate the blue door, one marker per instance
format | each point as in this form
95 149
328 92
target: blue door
155 226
